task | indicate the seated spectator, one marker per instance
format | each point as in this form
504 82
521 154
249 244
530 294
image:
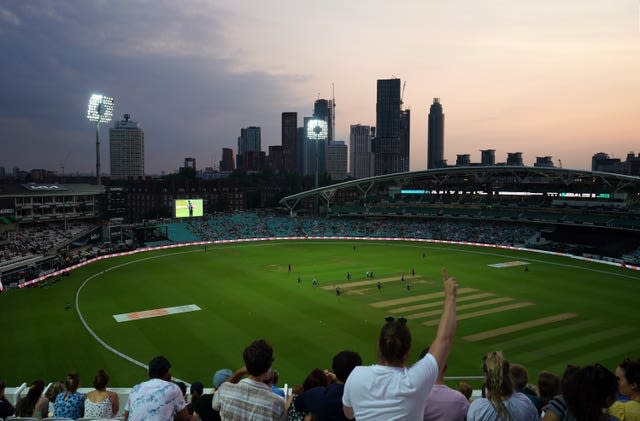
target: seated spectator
70 403
444 403
325 401
183 388
6 409
272 382
466 389
197 390
101 403
250 398
548 386
316 378
221 376
501 403
587 393
556 409
628 375
26 406
44 407
158 398
390 390
202 407
520 379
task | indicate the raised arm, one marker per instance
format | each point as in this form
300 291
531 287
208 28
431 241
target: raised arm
447 327
238 375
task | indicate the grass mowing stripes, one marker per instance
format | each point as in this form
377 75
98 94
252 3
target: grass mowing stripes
460 299
570 343
246 292
518 326
547 333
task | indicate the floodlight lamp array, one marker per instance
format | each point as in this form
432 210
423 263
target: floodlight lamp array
100 108
317 130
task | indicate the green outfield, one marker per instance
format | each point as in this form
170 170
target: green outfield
557 311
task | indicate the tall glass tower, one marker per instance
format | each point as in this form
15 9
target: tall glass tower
391 144
290 141
435 136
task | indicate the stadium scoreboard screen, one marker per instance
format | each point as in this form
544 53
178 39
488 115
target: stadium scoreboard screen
7 207
189 208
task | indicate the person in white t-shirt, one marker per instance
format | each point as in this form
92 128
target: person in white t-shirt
158 398
389 390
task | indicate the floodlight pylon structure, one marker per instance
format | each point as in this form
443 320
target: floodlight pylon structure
100 111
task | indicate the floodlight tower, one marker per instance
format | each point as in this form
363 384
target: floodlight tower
101 111
318 131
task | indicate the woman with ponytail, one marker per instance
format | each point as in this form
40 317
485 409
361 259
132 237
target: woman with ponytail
501 403
389 390
101 403
26 406
70 404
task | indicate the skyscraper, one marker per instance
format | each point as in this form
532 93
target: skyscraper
391 144
360 154
249 147
275 160
337 160
325 109
227 164
290 141
301 150
126 149
405 139
435 136
317 135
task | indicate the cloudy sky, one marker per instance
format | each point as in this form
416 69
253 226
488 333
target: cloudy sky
544 77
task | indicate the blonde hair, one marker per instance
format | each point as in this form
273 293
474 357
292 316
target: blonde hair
498 383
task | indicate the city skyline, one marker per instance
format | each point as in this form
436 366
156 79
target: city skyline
536 78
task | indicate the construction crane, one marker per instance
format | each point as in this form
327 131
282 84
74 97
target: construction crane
64 162
333 94
404 85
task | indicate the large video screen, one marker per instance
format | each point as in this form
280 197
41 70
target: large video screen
188 208
7 207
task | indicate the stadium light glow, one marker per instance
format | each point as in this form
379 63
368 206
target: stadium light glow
100 110
317 129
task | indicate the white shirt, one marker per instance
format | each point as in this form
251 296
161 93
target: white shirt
156 400
384 393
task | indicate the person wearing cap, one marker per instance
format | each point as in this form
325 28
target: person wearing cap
202 407
250 398
221 376
158 398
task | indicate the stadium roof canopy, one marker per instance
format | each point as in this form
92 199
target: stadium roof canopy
49 189
487 179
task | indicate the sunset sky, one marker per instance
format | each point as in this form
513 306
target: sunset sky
545 77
